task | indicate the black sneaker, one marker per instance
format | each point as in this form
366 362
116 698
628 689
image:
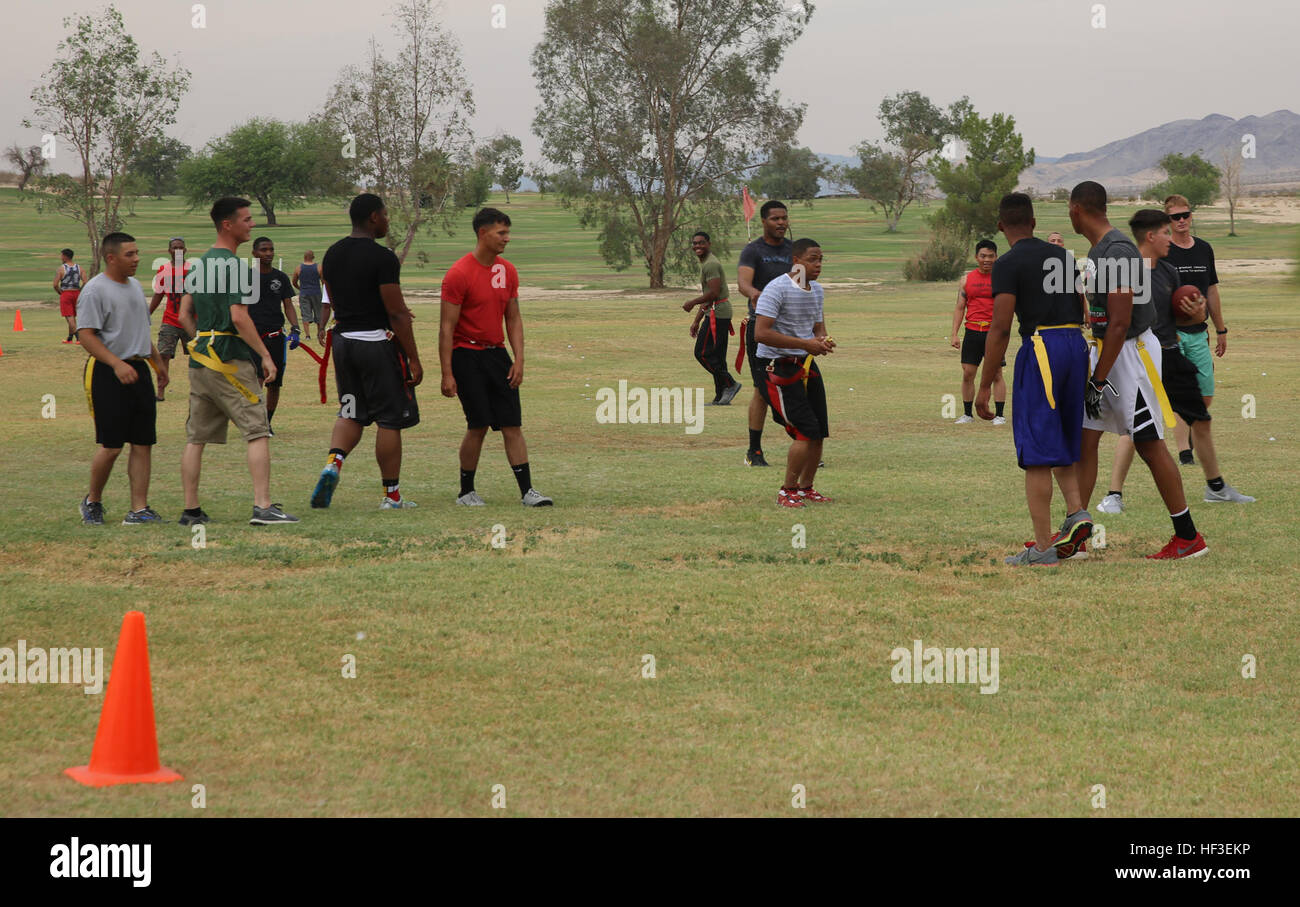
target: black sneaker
92 514
729 394
270 516
1185 458
194 519
755 458
141 517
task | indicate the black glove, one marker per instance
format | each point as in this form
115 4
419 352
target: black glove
1092 396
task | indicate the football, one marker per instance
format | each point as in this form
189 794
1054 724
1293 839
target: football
1187 306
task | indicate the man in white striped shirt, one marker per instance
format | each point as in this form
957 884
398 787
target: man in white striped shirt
790 329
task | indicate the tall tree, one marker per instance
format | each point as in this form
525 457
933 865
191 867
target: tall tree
653 110
995 158
260 159
157 163
29 161
892 174
790 173
1230 183
409 120
506 154
101 99
1191 176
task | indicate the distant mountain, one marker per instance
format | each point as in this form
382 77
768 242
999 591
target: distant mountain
1130 164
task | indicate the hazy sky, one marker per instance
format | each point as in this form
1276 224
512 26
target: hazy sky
1069 85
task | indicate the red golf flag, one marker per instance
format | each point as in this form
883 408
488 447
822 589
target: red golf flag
748 204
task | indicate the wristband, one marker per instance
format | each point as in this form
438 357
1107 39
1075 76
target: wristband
1224 331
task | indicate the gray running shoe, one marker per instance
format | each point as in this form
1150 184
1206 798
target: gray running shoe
140 517
534 498
1111 503
193 520
471 500
400 504
1229 495
270 516
1032 557
729 394
1073 533
92 514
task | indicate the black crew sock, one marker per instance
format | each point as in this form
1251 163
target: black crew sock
755 440
1118 494
523 476
466 481
998 404
1217 484
1184 528
967 404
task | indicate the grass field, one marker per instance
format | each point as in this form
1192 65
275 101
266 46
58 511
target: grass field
522 666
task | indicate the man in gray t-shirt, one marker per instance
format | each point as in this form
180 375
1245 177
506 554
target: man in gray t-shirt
113 326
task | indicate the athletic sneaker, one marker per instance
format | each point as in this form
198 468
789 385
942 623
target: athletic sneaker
400 504
999 420
193 520
1074 531
1111 503
964 420
140 517
92 514
1177 549
1185 458
270 516
789 498
325 485
1080 553
812 496
713 402
471 500
755 458
729 394
1228 495
534 498
1032 557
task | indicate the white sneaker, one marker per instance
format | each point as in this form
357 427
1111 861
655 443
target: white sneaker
534 498
1111 503
964 420
471 500
1228 495
999 420
400 504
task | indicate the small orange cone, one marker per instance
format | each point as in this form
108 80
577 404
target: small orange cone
126 745
18 320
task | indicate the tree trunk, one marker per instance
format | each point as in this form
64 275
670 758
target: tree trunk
268 209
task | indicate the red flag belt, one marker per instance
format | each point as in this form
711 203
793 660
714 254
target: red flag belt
322 359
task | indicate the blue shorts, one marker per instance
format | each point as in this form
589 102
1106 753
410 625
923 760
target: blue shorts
1046 436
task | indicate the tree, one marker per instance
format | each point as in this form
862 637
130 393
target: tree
506 154
995 158
29 161
101 99
157 163
409 120
1192 177
651 110
1230 183
474 179
260 159
892 174
790 173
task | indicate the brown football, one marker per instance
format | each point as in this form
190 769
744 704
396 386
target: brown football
1181 305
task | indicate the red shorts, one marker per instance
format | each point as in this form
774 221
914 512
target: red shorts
68 303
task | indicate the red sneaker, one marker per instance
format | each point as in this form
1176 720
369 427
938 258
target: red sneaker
1080 552
1177 549
812 496
789 498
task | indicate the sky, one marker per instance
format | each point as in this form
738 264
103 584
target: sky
1070 85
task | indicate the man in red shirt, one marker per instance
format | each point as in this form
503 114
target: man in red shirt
170 283
480 292
975 307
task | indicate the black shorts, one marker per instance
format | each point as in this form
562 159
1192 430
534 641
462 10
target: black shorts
483 386
800 408
371 379
124 413
757 366
1179 376
972 347
275 346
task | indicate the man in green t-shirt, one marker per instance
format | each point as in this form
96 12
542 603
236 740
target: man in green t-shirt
715 313
225 385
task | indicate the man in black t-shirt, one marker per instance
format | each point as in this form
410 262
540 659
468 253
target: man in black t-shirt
761 262
376 363
1036 281
274 302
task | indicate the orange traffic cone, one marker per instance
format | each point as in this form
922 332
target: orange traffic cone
18 320
126 745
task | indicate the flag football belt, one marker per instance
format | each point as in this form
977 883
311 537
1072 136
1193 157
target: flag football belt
803 374
89 373
740 353
209 359
1152 375
713 332
323 360
981 326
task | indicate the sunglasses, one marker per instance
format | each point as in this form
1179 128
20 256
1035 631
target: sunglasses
1181 216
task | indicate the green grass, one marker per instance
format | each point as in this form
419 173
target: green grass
522 666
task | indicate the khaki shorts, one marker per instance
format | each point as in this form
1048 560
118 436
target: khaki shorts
215 402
